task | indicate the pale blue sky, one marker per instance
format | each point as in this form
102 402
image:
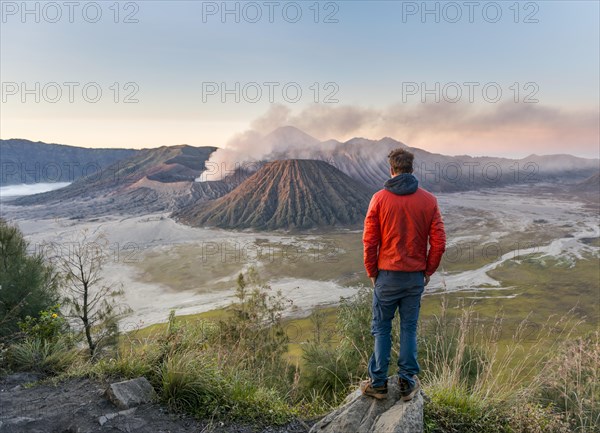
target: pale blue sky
369 53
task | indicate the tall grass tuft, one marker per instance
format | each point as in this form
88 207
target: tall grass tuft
479 382
571 381
42 355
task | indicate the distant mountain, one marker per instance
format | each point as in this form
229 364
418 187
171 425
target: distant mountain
366 161
152 180
24 161
286 194
287 138
561 167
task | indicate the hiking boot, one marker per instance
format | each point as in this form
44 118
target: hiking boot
406 391
379 392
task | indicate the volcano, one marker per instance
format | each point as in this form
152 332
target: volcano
288 194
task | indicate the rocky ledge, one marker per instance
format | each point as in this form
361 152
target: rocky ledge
360 414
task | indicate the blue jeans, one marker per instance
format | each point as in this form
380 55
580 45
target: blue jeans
401 290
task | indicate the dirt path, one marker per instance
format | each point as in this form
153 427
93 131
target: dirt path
78 406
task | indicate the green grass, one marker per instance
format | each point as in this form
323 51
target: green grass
159 328
298 330
42 355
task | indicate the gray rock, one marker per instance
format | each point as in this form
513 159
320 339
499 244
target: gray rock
130 393
108 416
361 414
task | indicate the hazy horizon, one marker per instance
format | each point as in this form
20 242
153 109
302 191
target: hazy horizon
519 155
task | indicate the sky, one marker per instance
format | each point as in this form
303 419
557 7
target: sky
500 78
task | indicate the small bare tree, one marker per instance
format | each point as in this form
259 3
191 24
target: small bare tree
88 300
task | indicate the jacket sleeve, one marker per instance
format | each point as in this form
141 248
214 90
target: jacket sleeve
372 238
437 242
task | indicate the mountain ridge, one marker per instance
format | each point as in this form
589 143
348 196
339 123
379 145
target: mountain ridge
26 161
151 180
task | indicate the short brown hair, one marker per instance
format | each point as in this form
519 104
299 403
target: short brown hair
401 161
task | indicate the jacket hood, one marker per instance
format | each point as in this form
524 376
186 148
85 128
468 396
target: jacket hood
402 184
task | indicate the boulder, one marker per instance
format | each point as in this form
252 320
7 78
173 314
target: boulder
130 393
362 414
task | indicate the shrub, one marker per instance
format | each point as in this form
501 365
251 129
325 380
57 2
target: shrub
189 382
47 345
454 409
29 284
326 371
45 356
93 304
50 325
535 418
255 329
354 326
194 383
448 353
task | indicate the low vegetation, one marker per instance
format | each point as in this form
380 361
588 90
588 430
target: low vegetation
28 284
237 366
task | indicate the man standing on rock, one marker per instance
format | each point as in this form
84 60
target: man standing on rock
401 220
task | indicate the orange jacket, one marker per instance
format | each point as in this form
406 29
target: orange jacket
401 219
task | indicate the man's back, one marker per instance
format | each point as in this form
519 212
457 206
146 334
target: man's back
401 219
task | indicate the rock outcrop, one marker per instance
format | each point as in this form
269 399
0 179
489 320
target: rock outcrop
130 393
360 414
